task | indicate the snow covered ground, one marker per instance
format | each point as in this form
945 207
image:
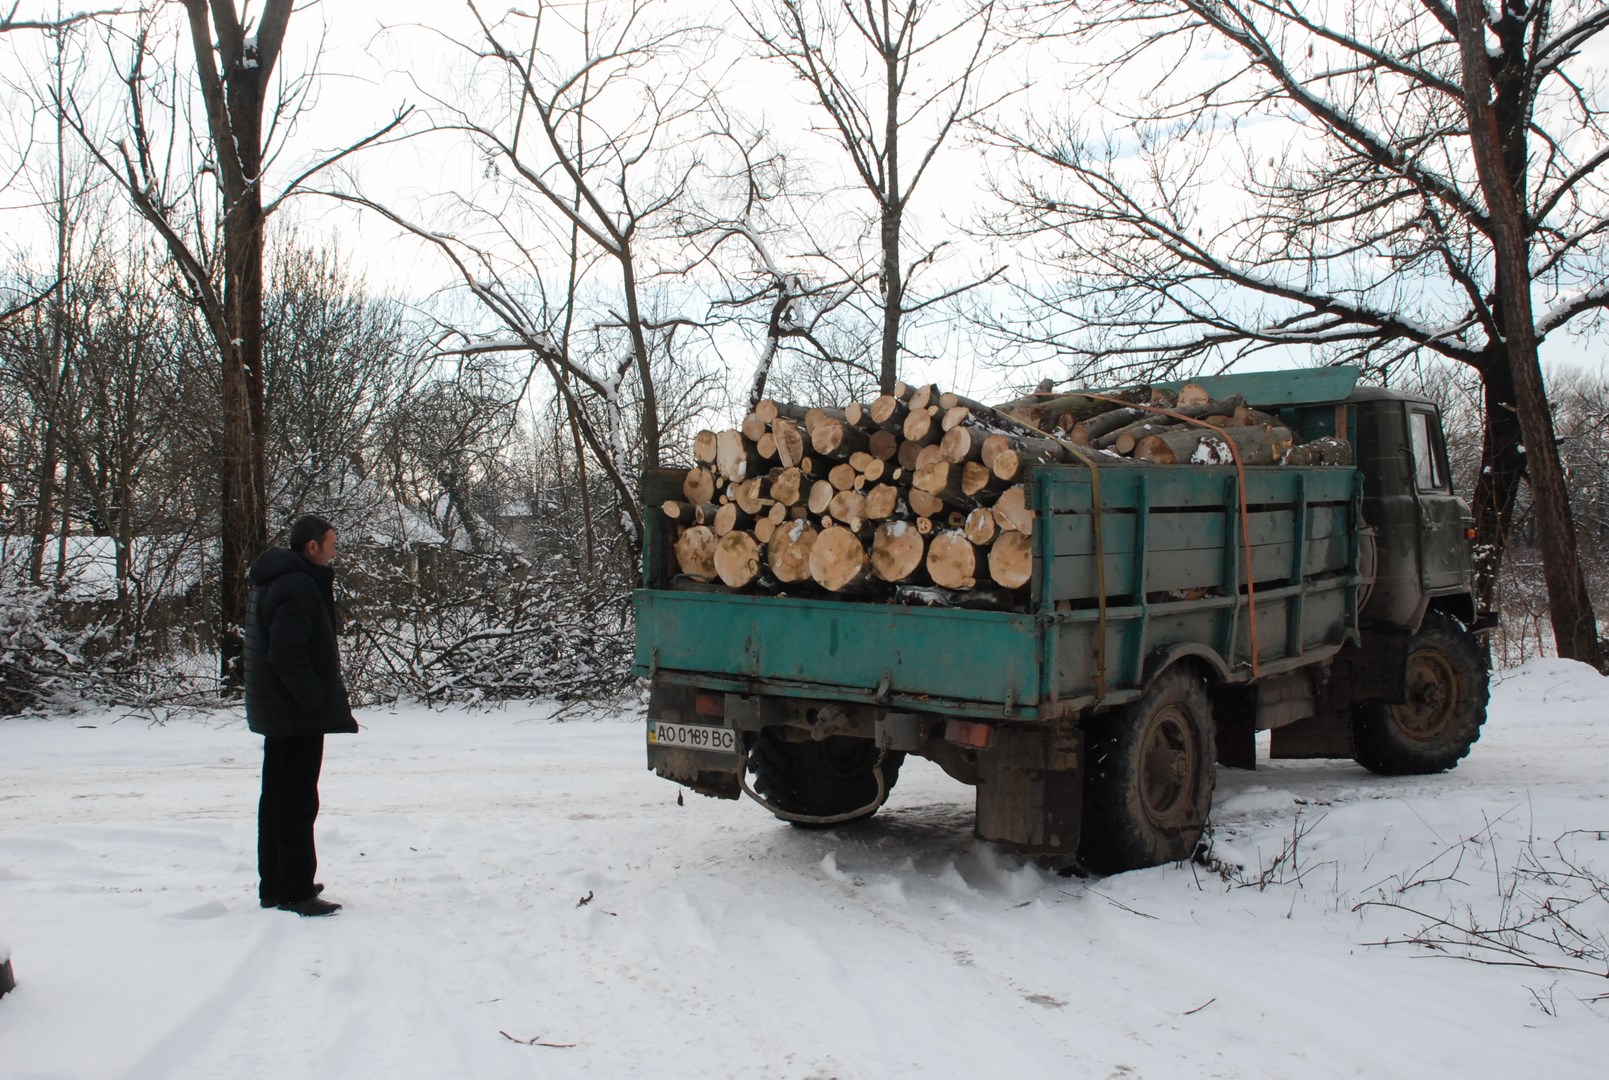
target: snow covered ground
524 900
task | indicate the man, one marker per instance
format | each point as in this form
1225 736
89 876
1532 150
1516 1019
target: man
294 697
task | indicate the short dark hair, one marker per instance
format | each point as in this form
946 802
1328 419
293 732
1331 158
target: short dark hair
308 528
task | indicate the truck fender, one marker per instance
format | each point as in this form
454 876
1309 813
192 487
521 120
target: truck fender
1162 659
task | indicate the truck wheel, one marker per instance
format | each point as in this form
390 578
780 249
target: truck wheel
1443 710
1148 777
821 779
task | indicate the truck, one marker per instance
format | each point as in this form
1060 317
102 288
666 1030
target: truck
1173 613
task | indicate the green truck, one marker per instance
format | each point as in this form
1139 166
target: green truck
1174 611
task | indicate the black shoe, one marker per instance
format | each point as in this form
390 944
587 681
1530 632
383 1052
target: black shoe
274 902
311 907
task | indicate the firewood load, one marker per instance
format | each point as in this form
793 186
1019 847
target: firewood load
921 495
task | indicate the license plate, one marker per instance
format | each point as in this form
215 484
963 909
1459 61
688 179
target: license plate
721 740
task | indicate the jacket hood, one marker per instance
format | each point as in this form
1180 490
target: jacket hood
275 563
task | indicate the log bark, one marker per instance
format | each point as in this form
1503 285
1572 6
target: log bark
1326 451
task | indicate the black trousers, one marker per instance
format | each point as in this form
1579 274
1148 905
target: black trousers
286 857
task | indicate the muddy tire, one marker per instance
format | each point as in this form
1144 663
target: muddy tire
1445 706
821 779
1148 778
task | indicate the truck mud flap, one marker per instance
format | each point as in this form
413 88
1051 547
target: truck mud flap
701 771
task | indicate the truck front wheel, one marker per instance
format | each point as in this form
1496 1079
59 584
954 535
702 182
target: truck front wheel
830 778
1443 708
1148 777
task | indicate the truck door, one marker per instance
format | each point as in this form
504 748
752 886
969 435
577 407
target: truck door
1444 560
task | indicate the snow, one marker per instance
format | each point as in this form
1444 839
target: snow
507 873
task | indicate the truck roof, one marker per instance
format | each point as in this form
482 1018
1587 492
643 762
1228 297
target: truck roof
1296 386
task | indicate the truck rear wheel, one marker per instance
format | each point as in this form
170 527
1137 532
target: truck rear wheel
825 778
1442 712
1148 777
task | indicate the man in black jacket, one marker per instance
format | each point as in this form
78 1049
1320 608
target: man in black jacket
294 697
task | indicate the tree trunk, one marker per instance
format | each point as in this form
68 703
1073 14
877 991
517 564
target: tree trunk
1575 628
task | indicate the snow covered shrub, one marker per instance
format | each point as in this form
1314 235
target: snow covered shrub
35 664
436 624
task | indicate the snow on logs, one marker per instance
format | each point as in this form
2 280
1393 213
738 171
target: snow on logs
925 488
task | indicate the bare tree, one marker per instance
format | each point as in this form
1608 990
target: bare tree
201 187
1375 182
584 116
894 79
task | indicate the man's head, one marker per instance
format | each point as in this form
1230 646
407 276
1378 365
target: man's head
314 538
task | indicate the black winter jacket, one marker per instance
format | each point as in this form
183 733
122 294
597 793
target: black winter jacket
293 666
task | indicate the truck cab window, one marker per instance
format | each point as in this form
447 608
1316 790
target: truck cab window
1429 474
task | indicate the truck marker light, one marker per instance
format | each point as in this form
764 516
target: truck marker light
710 704
968 733
1469 534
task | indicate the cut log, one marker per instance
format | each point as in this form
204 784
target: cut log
752 494
788 552
1325 451
766 446
767 411
923 396
842 476
1028 450
837 439
1191 394
704 447
980 527
952 560
849 508
897 550
882 501
1087 432
821 493
924 525
883 445
976 479
838 561
954 417
1011 560
928 455
920 428
790 442
815 415
874 471
1153 423
855 413
963 444
1246 416
943 479
731 518
735 456
785 486
737 559
1257 446
684 513
764 529
924 504
695 552
888 412
1012 512
906 455
753 427
699 486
